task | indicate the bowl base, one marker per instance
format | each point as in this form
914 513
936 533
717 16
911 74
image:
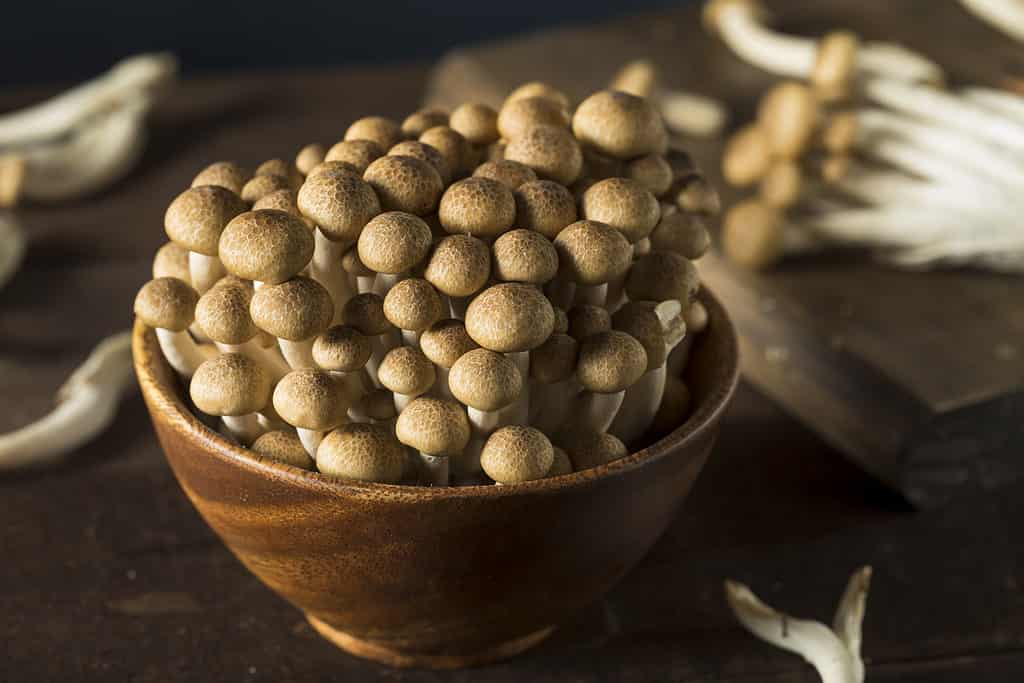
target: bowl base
407 660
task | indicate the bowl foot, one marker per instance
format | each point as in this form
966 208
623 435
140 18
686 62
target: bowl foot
397 658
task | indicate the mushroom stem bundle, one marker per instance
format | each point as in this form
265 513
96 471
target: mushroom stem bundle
87 404
1005 15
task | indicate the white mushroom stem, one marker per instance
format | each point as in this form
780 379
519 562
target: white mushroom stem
364 283
691 114
181 351
596 411
87 404
411 338
642 248
519 411
380 345
434 468
551 403
383 282
997 101
835 654
299 354
1005 15
12 247
270 359
326 269
310 439
245 428
458 305
204 271
441 388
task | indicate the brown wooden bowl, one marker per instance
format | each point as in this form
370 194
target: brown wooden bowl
439 577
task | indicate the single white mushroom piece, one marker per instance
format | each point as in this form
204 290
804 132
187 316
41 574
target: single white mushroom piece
283 446
195 220
235 388
406 372
517 454
313 402
168 305
438 430
608 364
295 312
363 452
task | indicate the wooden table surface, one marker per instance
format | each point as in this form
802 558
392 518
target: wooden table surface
108 573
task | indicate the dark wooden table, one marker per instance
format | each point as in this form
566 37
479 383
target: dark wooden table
108 574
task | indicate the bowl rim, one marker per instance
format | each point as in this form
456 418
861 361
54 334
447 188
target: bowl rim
164 399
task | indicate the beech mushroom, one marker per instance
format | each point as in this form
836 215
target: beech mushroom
551 151
747 156
405 183
363 452
696 195
422 120
195 220
681 232
406 372
282 169
168 305
489 384
684 112
588 319
476 122
519 115
171 260
651 172
365 312
295 312
452 146
233 387
608 364
310 156
343 351
313 402
283 446
539 89
544 206
620 125
378 129
358 154
590 255
516 454
376 407
226 174
788 115
266 246
552 382
663 275
459 267
439 430
261 185
588 448
392 244
412 306
524 256
560 464
511 174
480 207
362 277
443 343
424 152
282 200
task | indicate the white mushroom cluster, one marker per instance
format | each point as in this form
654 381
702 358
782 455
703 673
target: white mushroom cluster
868 150
455 298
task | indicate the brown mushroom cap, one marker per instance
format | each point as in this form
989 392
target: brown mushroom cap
782 185
478 206
357 153
394 242
365 312
682 232
517 453
510 317
337 167
342 349
363 452
262 185
623 204
675 407
267 246
752 234
587 319
592 253
283 446
485 380
555 359
588 448
640 320
445 342
166 303
610 362
511 174
788 114
405 184
413 304
519 115
747 156
226 174
551 151
379 404
280 167
310 156
638 77
424 152
230 384
422 120
459 265
171 260
476 122
295 310
311 399
378 129
197 216
353 265
223 312
340 204
524 256
455 148
561 464
652 172
539 89
434 426
835 65
663 275
561 320
619 124
697 195
544 206
406 371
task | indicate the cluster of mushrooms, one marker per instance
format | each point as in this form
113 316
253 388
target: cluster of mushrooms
482 296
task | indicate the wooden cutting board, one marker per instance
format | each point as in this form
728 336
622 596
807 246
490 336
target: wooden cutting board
918 377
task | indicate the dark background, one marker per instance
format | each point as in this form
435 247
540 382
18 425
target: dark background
69 40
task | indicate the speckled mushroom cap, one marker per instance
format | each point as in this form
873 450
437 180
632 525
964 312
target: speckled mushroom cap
561 320
485 380
620 125
511 174
445 342
539 89
342 349
280 167
223 312
422 120
311 399
835 65
424 152
379 404
554 360
267 246
434 426
561 463
640 320
459 265
337 167
455 148
282 200
365 312
623 204
476 122
588 319
589 448
478 206
682 232
517 453
353 265
378 129
413 304
363 452
394 242
510 317
283 446
197 216
310 156
675 406
663 275
166 303
551 151
697 195
519 115
544 206
357 153
262 185
788 114
406 371
610 362
171 260
752 234
339 203
652 172
524 256
296 310
226 174
230 384
592 253
405 184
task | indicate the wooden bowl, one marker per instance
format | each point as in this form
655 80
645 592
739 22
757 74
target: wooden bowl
439 577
